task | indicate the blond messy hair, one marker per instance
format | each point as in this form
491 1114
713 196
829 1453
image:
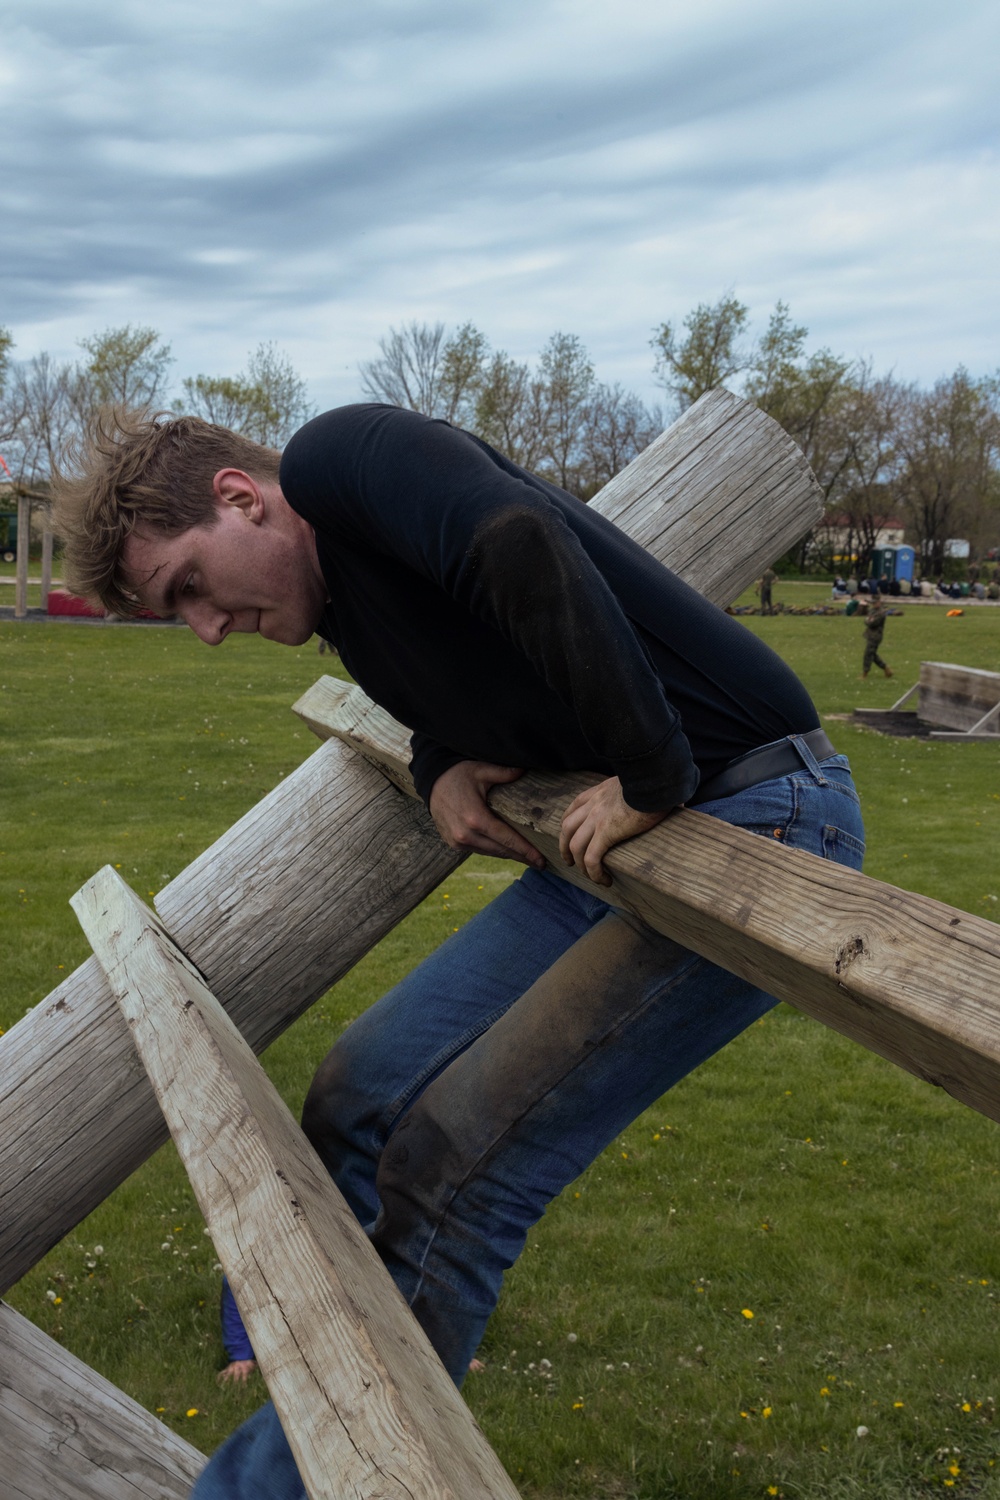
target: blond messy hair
141 468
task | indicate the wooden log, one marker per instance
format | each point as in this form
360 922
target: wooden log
23 547
67 1432
339 856
273 913
956 697
46 564
908 977
364 1401
717 496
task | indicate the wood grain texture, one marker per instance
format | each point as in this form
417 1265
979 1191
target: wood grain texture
288 900
911 978
66 1433
717 496
958 698
297 891
21 567
365 1402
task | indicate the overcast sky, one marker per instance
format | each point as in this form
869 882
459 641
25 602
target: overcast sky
312 173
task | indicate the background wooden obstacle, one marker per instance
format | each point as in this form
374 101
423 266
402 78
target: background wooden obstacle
345 857
964 702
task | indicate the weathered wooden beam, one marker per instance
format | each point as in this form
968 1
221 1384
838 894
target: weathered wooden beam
366 1405
21 566
297 891
911 978
273 913
956 697
67 1432
47 540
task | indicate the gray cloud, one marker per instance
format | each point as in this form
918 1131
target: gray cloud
314 173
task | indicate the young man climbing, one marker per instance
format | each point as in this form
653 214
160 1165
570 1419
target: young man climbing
508 626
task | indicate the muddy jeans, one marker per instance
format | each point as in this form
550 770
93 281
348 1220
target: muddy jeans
456 1108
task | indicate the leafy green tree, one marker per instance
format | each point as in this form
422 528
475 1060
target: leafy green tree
511 410
127 365
710 355
267 402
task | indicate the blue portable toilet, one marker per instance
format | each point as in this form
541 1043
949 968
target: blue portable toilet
905 561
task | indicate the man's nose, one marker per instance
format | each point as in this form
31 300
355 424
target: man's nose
209 623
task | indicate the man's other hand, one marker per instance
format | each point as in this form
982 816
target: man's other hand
464 820
238 1371
597 820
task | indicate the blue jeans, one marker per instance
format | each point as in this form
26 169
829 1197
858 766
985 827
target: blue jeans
461 1103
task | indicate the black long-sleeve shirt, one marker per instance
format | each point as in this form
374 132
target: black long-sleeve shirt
501 619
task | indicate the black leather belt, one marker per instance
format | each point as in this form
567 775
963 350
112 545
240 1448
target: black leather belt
777 759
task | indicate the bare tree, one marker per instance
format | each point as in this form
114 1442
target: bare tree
616 427
47 416
950 445
567 377
407 371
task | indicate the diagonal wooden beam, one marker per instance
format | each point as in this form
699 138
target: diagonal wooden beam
364 1401
66 1431
908 977
304 885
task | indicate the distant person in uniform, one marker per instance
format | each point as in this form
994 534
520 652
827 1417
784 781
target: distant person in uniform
768 579
874 630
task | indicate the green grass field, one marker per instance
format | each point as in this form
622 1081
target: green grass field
853 1211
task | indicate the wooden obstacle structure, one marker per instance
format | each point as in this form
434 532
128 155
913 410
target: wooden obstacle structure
343 853
956 703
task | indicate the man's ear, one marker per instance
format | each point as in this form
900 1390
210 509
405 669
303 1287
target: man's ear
236 487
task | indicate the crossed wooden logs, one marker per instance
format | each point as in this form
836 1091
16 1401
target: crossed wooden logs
290 898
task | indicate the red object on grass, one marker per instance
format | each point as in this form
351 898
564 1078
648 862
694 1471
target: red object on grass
61 602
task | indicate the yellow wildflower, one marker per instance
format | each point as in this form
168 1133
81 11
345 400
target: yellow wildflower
747 1313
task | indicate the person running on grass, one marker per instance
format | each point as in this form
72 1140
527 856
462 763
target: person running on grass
878 613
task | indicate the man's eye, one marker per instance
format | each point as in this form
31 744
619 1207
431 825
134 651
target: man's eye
187 587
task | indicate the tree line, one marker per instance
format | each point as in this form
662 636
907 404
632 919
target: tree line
882 449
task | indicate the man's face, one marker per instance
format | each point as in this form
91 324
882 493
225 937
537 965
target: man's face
254 571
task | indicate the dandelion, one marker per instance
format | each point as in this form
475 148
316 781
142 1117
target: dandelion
862 1432
192 1411
747 1313
56 1301
51 1295
824 1390
98 1249
766 1412
571 1338
966 1406
167 1245
578 1406
772 1489
898 1404
954 1470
